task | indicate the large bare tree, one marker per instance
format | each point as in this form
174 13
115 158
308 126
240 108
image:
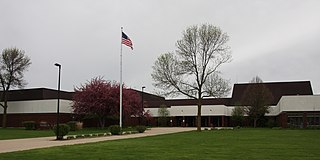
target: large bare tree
256 99
192 70
13 63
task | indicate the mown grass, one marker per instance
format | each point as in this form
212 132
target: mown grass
18 133
223 144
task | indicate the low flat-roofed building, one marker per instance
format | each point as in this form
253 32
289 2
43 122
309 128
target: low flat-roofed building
294 105
39 105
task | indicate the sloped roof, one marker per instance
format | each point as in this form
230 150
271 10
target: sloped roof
278 89
37 94
150 97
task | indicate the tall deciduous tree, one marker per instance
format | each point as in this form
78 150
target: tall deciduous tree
163 114
13 64
193 69
100 98
237 115
256 100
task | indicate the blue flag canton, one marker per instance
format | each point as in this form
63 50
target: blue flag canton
126 40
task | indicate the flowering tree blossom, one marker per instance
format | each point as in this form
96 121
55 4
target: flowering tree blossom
100 98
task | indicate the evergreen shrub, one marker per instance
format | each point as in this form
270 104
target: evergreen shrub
63 130
141 129
72 125
29 125
115 129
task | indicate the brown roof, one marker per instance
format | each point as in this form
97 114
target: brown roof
150 97
37 94
151 100
278 89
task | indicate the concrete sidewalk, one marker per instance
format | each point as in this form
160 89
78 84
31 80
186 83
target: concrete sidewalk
45 142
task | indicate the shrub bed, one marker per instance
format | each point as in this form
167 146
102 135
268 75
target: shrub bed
69 137
141 129
29 125
88 135
115 129
72 125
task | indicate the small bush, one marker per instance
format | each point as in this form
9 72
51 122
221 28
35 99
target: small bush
115 129
272 123
29 125
141 129
63 130
72 125
313 127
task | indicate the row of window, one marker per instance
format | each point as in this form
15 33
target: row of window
296 119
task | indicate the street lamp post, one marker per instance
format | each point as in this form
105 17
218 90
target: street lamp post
143 87
58 104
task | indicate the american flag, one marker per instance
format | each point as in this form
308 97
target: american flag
126 41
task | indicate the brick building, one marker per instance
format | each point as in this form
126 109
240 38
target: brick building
293 105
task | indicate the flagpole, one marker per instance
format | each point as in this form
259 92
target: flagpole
120 121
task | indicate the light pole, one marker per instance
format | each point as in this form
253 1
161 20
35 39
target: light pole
58 104
143 87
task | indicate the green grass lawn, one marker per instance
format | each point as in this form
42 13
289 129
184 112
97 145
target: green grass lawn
16 133
223 144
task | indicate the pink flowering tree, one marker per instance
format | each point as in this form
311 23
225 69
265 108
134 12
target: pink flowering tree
100 98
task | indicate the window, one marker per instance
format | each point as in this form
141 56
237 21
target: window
295 120
313 119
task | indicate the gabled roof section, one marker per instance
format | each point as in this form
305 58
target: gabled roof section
278 89
37 94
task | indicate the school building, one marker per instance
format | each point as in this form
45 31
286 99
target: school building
293 105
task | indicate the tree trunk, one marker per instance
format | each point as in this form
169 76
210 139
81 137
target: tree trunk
199 115
4 117
102 122
255 122
5 109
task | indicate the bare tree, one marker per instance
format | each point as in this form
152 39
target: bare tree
256 99
192 70
13 63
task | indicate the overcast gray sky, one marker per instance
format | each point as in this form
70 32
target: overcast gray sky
279 40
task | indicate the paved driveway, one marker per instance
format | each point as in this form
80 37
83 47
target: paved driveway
45 142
